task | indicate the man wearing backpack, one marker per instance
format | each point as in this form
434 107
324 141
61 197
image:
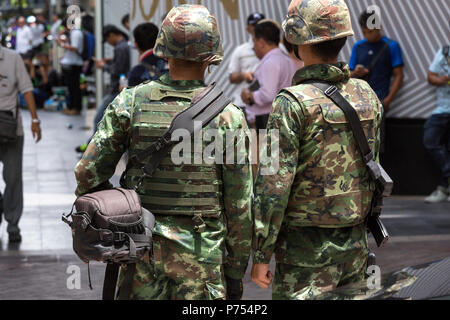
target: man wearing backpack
72 65
202 234
150 67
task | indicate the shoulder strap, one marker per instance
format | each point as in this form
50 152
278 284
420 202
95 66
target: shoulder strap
375 60
204 108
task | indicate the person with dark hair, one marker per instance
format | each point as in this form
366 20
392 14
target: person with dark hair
117 66
150 67
376 59
274 73
311 213
243 61
126 21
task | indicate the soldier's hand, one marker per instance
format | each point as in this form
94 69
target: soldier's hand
261 275
235 289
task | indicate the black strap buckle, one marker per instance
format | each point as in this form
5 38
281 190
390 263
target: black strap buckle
330 91
369 157
119 237
163 141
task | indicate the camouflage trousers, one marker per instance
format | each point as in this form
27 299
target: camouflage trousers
312 261
176 276
299 283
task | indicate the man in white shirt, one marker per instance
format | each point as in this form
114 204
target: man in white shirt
72 65
244 62
24 37
37 31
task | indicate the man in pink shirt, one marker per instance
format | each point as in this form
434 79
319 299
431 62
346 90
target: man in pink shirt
274 73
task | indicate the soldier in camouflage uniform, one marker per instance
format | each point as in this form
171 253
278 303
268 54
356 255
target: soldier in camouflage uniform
202 236
312 212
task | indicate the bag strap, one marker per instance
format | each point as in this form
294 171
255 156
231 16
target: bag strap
375 60
332 92
110 282
204 108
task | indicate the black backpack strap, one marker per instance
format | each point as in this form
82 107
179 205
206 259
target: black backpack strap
110 282
127 284
204 108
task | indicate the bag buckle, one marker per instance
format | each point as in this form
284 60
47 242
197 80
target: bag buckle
199 223
119 237
162 142
330 91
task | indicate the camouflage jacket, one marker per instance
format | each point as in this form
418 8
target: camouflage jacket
322 180
117 133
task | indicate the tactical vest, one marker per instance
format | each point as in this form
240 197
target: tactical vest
186 189
332 187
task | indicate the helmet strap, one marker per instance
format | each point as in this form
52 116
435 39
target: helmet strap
296 52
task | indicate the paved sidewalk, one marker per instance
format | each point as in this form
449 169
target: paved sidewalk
38 267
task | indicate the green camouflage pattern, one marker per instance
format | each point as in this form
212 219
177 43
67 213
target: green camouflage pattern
176 274
190 32
322 181
390 287
315 21
189 243
312 261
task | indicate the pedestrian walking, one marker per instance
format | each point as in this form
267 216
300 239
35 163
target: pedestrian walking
14 79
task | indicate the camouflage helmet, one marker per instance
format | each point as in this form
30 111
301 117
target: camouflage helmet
190 32
315 21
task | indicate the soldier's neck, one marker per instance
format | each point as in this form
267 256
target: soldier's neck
187 74
316 60
186 70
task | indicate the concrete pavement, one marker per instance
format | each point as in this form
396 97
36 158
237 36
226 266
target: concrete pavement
39 267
